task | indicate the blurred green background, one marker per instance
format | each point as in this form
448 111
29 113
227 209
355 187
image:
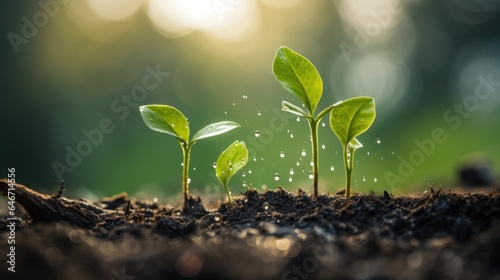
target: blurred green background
69 65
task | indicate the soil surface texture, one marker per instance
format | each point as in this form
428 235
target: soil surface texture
266 235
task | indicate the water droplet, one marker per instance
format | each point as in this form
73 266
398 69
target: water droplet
225 112
155 199
323 124
259 113
291 135
234 103
216 218
311 175
243 174
378 140
182 164
381 158
298 163
254 158
194 168
214 165
290 179
375 180
367 153
244 184
245 97
266 206
323 146
311 163
189 180
256 133
173 124
291 171
282 154
364 179
249 171
276 176
298 119
392 152
332 168
303 153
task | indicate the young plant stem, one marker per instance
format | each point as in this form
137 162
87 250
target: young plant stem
228 194
348 163
186 151
313 125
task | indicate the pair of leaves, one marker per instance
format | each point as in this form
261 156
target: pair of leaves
169 120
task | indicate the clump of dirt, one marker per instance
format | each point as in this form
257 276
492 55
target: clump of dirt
265 235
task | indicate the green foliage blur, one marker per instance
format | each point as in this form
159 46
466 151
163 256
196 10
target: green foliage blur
75 72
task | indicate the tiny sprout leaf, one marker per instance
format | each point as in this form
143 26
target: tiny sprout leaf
290 108
299 77
351 118
214 129
231 160
354 144
166 119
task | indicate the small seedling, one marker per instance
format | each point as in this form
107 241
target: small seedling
169 120
230 161
348 120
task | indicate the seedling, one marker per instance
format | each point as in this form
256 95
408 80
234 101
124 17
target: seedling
230 161
348 120
169 120
299 77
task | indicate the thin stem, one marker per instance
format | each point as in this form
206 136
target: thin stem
325 111
313 125
228 194
348 172
186 151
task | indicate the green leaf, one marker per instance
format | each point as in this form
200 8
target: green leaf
232 159
214 129
290 108
351 118
354 144
299 77
166 119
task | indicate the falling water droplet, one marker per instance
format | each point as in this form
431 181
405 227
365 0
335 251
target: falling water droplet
298 119
189 180
323 146
282 154
375 180
259 113
323 124
311 175
392 152
303 153
182 164
290 179
214 165
364 179
244 184
332 168
311 163
245 97
256 133
249 171
298 163
276 176
234 103
243 174
254 158
378 140
291 171
194 168
367 153
291 135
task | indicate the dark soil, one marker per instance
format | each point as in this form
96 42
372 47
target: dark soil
269 235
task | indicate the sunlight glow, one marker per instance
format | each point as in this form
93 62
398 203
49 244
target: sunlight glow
115 10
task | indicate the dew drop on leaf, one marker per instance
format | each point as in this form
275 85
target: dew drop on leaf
303 153
282 154
291 171
256 133
276 176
